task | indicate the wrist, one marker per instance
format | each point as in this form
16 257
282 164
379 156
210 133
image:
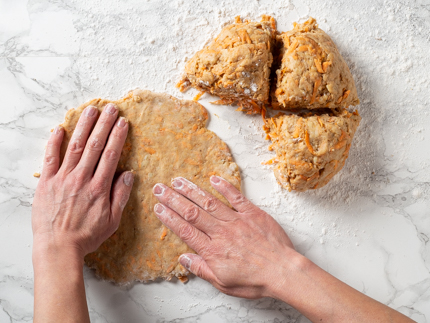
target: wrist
290 269
48 252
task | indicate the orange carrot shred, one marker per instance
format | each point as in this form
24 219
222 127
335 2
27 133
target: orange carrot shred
308 143
293 46
163 234
316 86
198 96
318 65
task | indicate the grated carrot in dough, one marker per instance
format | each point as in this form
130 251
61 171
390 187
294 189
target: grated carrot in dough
325 66
343 97
149 150
296 132
163 234
316 86
263 113
303 48
308 143
244 36
198 96
293 46
318 65
340 144
183 85
183 279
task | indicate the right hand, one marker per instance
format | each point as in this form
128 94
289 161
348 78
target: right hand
239 252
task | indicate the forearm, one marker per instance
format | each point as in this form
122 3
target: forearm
59 291
323 298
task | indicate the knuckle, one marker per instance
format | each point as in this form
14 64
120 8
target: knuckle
185 232
191 214
210 204
221 231
111 155
76 147
99 188
79 179
49 160
95 145
239 199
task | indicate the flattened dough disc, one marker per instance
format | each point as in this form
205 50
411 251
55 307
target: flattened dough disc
167 138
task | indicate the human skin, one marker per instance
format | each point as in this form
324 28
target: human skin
245 253
76 207
242 252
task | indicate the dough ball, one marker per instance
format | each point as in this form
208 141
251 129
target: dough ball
311 147
312 72
236 65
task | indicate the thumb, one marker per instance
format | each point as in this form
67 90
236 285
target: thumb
197 265
120 194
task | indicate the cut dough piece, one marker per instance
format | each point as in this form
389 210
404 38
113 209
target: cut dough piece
167 138
312 74
310 147
236 65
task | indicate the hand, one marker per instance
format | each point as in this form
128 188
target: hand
238 251
75 205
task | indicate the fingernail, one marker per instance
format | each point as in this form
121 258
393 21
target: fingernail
215 180
110 108
128 178
158 208
122 122
185 261
177 183
58 129
90 111
159 189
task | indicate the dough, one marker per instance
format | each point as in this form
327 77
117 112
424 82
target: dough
312 72
167 138
236 65
311 147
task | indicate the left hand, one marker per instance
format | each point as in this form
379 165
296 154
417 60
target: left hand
76 206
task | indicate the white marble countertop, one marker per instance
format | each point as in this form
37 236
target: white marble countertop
370 227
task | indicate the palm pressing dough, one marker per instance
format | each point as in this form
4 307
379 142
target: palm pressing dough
236 65
312 73
311 147
167 138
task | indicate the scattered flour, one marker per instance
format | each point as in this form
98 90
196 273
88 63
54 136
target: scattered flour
389 65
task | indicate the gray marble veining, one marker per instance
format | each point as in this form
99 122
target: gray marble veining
370 227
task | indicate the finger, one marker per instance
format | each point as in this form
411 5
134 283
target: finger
97 141
109 161
51 162
120 195
79 138
205 200
193 237
197 265
231 193
185 208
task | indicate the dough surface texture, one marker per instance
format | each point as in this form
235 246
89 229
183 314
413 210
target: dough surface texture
236 65
310 147
167 138
312 73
